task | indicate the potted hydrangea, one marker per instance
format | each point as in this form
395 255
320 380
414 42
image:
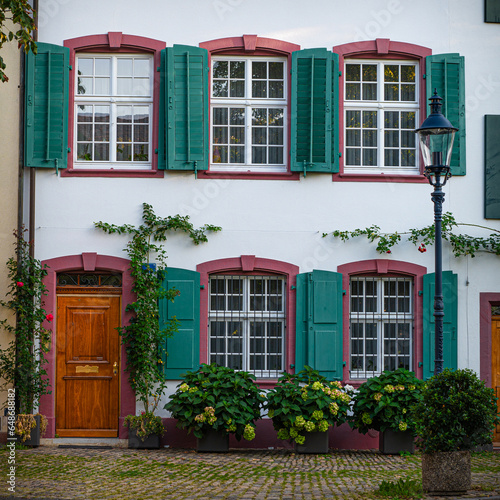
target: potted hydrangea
383 403
457 412
304 406
215 401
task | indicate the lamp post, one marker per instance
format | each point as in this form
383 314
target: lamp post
436 136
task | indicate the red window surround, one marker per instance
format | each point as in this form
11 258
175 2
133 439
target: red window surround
252 45
381 48
384 267
88 262
250 265
486 302
114 42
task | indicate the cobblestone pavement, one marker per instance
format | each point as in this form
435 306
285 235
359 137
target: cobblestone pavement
50 472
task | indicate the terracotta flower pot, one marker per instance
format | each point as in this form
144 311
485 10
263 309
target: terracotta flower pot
446 473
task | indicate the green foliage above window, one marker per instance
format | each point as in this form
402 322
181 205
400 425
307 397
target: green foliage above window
461 244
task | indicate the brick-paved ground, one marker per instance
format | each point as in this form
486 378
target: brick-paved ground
61 473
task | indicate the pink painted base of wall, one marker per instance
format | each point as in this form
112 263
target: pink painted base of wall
343 438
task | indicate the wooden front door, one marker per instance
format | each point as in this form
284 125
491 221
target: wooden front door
495 366
88 366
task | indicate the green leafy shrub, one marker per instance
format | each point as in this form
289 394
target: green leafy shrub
219 398
22 362
457 412
306 402
384 402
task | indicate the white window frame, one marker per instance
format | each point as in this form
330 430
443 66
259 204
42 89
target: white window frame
381 105
249 103
113 100
246 316
380 318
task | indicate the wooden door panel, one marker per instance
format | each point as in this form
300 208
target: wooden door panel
88 348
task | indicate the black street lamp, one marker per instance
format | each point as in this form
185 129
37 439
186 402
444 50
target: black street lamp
436 136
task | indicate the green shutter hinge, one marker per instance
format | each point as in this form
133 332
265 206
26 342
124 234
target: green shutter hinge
158 69
420 293
69 150
156 151
424 77
340 73
195 169
70 67
292 366
420 364
293 287
344 292
344 363
56 161
202 287
340 154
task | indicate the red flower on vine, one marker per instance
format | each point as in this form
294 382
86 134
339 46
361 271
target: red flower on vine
20 284
49 317
388 251
422 248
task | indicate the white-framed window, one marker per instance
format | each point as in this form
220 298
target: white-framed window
381 325
113 111
248 114
246 324
381 106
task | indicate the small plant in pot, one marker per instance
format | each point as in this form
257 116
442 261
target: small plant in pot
457 412
383 403
22 362
217 401
304 406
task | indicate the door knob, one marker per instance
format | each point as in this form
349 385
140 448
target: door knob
115 368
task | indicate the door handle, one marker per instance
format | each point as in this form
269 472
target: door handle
115 368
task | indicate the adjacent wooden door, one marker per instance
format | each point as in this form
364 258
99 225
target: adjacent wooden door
495 366
88 366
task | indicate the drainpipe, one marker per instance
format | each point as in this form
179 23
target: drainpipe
21 174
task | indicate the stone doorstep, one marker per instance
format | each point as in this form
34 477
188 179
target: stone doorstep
114 442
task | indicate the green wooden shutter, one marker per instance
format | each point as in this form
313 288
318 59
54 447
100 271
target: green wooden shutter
46 107
183 141
450 292
314 111
445 72
492 167
183 349
492 11
318 338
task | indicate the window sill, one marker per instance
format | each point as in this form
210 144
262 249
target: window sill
291 176
410 178
72 172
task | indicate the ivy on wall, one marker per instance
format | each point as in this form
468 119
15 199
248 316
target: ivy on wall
461 244
143 338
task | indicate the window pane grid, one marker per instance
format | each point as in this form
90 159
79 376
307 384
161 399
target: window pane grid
381 325
254 89
247 323
113 96
381 139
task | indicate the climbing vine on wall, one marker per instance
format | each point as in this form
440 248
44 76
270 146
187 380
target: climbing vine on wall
143 337
461 244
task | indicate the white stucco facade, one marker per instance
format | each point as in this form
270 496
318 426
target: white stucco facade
284 219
